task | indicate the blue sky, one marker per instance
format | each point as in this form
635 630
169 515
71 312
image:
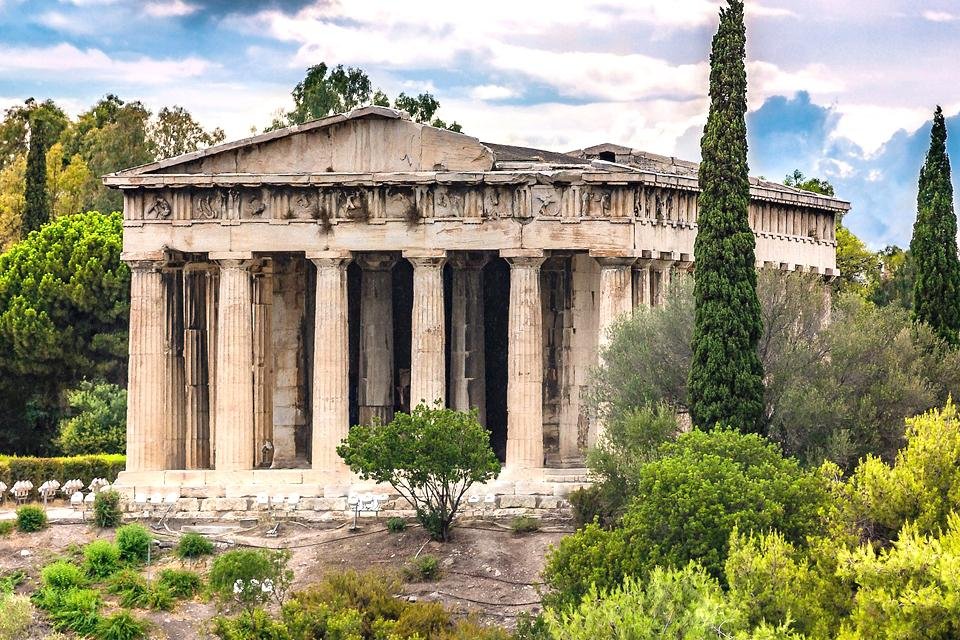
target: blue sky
839 89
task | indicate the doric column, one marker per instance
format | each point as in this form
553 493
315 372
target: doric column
375 385
467 389
234 409
331 358
641 284
148 400
427 359
175 435
524 361
616 293
663 270
196 370
213 294
263 379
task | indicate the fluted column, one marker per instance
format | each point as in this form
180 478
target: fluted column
234 448
147 385
641 284
213 294
616 293
175 434
525 362
427 359
331 358
263 378
467 388
663 270
196 370
375 390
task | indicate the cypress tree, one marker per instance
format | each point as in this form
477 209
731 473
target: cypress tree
726 376
936 289
36 213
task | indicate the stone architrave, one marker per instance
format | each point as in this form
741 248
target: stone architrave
427 358
196 376
331 355
376 385
234 409
467 387
524 362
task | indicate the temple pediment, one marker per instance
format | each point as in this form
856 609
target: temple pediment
370 139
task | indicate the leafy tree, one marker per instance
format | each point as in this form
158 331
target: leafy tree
726 376
15 128
69 182
36 211
431 456
251 577
121 143
814 185
175 132
936 290
895 285
98 423
12 202
859 267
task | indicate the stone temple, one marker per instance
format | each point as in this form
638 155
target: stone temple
289 285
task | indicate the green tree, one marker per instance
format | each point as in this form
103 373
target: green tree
431 456
16 124
895 284
12 203
98 421
859 267
814 185
36 211
726 376
936 290
175 132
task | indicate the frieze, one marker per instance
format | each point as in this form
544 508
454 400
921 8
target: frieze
400 203
157 208
546 201
448 202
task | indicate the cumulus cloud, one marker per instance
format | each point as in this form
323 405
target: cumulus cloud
939 16
169 9
492 92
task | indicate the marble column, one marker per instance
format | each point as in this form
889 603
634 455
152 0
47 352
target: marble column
234 409
375 384
331 357
174 437
196 376
524 361
641 284
263 378
467 388
213 294
616 293
428 332
148 389
663 270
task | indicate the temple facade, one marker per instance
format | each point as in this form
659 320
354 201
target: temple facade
289 285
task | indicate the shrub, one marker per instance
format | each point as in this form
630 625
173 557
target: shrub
426 568
424 620
525 524
193 545
6 526
131 587
62 575
158 597
251 577
16 616
10 581
600 503
31 518
121 626
97 422
77 612
431 457
396 525
373 594
134 542
255 623
101 558
39 470
106 509
181 583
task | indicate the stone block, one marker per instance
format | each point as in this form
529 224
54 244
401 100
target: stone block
202 492
549 502
273 477
501 488
564 489
187 504
192 478
534 487
229 504
339 490
522 502
330 504
230 478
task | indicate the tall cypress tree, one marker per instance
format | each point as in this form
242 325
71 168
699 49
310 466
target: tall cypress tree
36 213
936 289
726 376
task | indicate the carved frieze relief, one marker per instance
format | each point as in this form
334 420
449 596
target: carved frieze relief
156 207
448 202
546 201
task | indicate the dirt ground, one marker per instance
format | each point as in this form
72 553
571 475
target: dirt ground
487 570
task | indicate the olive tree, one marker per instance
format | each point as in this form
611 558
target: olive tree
430 456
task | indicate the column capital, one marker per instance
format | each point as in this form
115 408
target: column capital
528 258
333 258
608 261
469 260
376 260
426 258
145 260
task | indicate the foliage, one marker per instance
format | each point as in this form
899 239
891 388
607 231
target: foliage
193 545
158 597
252 624
814 185
251 577
895 285
431 456
6 527
106 509
726 376
121 626
685 603
12 202
525 524
98 423
175 132
31 518
132 588
134 541
101 559
936 289
686 505
37 210
425 568
77 611
16 616
62 576
858 266
181 583
68 182
39 470
601 503
396 525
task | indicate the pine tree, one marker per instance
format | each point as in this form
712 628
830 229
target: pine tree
936 289
726 376
36 213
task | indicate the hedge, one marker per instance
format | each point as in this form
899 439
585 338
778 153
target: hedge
39 470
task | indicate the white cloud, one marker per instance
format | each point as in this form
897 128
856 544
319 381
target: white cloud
66 61
761 11
939 16
492 92
169 9
870 126
767 79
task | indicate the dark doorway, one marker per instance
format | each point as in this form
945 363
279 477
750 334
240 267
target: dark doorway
496 297
402 332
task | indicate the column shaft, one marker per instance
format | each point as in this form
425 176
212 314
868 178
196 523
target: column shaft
467 386
213 295
427 359
175 433
235 445
263 379
331 393
195 357
616 294
375 392
525 365
641 284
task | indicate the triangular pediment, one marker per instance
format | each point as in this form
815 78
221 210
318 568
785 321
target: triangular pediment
370 139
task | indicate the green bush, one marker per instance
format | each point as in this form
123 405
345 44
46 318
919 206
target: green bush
600 503
10 581
374 595
16 616
134 542
431 457
6 526
193 545
77 612
424 620
131 587
159 597
525 524
121 626
258 624
396 525
39 470
106 509
101 559
426 568
97 422
251 577
181 583
31 518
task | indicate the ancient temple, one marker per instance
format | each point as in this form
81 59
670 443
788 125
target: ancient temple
289 285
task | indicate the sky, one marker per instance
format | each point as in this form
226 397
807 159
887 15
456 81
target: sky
840 89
